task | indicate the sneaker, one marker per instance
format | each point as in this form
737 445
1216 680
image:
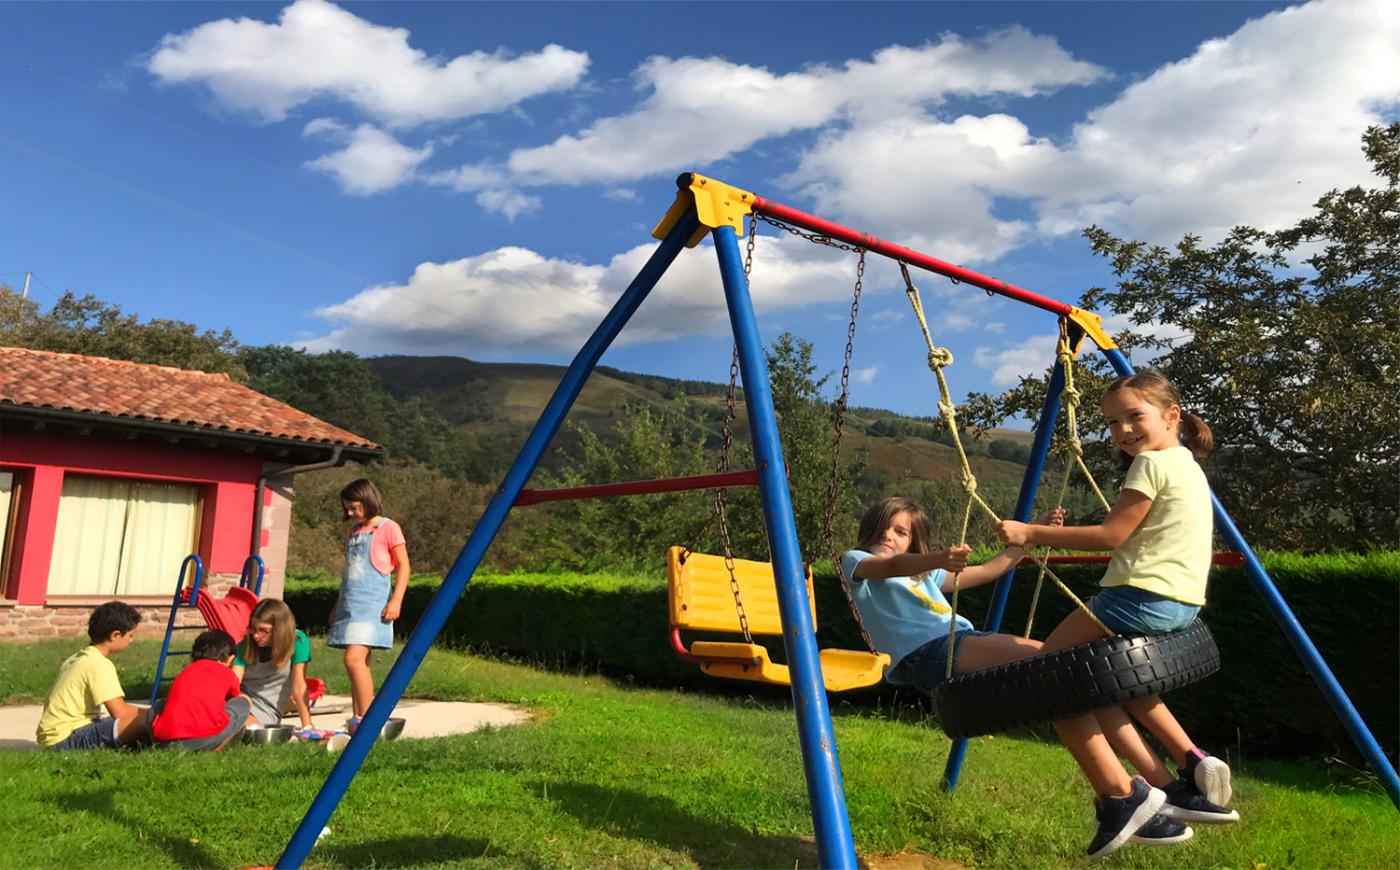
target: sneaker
1211 777
1162 831
1120 818
337 742
351 724
1186 803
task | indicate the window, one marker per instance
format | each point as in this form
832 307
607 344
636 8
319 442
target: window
9 508
122 537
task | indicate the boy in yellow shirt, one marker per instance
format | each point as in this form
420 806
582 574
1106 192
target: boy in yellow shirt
87 682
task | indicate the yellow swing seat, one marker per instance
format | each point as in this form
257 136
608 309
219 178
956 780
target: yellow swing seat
701 599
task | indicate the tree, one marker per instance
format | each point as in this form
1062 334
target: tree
87 325
1288 344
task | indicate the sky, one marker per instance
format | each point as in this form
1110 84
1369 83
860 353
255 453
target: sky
481 179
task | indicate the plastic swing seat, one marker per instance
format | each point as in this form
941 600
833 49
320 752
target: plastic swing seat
701 599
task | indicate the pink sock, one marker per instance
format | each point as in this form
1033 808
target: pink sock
1195 754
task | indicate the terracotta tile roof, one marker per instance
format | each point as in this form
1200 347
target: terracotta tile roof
138 391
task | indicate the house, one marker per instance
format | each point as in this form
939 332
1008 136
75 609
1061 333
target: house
112 472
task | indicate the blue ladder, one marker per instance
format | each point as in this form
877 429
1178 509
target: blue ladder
170 627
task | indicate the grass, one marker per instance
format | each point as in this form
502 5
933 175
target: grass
608 775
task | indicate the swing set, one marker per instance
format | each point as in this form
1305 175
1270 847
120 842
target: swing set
719 593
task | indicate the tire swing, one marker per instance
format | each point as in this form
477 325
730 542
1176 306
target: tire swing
1067 682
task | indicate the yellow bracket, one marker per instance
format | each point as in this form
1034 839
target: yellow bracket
1092 326
716 204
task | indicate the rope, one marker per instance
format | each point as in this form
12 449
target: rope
938 359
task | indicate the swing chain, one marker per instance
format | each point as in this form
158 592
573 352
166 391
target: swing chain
817 238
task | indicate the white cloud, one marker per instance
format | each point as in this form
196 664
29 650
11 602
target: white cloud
509 203
702 109
371 162
885 318
1031 355
1250 129
514 300
317 50
865 375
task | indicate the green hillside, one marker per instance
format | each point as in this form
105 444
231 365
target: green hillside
499 402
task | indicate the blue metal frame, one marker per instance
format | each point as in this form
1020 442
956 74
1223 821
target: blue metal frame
245 576
825 792
170 628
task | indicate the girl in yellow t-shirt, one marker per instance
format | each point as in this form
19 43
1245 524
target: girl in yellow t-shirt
1159 530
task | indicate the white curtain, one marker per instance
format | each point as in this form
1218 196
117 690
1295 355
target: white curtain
122 537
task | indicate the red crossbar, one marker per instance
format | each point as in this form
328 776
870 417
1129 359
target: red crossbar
797 218
1233 560
639 487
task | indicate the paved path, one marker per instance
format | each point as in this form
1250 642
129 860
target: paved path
422 718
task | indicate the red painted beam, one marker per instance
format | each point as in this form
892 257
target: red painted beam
790 215
639 487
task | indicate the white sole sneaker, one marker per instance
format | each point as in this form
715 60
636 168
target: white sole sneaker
1212 778
1186 834
1141 816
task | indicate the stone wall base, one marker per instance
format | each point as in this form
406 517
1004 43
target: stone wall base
69 617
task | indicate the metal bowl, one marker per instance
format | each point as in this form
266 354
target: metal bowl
262 735
392 729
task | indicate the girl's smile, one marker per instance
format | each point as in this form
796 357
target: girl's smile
1136 425
355 512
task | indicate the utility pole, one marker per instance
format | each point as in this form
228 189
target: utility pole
25 294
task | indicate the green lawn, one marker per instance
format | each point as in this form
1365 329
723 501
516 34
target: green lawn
607 775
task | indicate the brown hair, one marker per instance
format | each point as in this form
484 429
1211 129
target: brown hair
366 494
879 516
1155 388
284 630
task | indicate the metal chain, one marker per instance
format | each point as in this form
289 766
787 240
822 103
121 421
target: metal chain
729 416
839 425
817 238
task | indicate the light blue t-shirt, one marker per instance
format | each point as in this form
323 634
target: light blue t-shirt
897 619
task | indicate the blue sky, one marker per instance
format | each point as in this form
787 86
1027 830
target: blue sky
480 179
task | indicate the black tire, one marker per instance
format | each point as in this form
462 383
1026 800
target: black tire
1067 682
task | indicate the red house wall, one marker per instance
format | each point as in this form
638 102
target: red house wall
229 482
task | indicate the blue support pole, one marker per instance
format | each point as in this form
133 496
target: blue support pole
1297 637
440 607
831 825
1025 502
170 624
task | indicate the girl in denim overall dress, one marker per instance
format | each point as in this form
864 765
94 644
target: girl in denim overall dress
364 614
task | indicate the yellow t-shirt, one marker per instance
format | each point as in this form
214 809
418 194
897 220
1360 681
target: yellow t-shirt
86 680
1169 553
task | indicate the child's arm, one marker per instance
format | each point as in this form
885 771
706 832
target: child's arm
401 572
881 567
1003 561
1127 514
299 694
118 708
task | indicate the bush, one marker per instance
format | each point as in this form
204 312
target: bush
1262 702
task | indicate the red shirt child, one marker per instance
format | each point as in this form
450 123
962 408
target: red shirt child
195 706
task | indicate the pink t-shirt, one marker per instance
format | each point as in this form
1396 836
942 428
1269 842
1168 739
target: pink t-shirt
387 536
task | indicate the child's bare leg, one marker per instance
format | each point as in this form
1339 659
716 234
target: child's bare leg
1153 714
1092 752
1122 736
989 650
361 680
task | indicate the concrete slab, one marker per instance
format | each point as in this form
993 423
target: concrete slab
421 718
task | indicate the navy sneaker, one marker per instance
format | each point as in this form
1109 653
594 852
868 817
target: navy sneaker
1120 818
1162 831
1186 803
1211 777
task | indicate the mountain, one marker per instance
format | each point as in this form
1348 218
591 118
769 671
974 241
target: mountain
498 403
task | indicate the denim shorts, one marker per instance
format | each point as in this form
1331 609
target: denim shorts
1129 610
927 666
101 734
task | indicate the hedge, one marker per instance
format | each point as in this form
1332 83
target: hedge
1262 702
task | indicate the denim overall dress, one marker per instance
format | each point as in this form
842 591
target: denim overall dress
364 590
